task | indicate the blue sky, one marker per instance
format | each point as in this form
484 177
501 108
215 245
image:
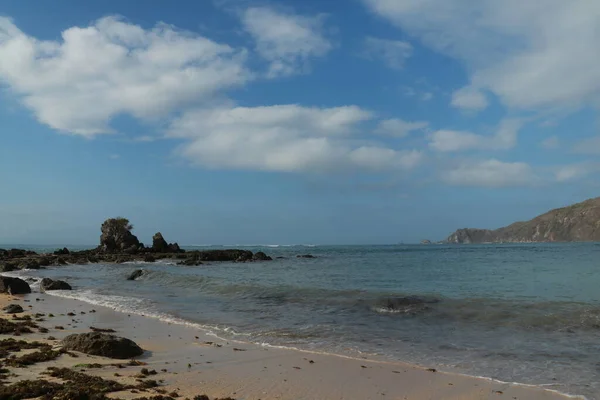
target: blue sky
229 122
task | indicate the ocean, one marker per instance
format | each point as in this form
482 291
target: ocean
527 313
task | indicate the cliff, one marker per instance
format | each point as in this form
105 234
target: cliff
576 223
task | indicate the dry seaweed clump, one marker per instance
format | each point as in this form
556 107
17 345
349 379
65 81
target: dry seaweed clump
11 345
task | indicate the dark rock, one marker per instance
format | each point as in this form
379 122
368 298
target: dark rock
30 264
260 256
101 344
49 284
13 285
149 258
305 256
221 255
117 237
13 309
159 244
135 274
44 261
9 266
62 252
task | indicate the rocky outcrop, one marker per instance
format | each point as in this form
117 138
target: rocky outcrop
160 245
102 344
13 285
305 256
117 237
49 284
576 223
118 245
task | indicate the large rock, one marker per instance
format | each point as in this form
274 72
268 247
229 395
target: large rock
160 245
117 237
49 284
13 309
102 344
13 285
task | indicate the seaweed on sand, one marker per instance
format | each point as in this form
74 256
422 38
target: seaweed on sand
16 328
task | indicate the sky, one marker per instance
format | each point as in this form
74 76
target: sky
294 121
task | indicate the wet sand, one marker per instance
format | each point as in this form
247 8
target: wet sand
199 363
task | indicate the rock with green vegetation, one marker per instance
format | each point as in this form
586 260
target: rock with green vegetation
576 223
117 237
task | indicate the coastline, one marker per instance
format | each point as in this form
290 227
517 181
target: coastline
197 362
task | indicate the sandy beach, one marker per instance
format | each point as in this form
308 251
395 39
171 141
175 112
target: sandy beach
189 362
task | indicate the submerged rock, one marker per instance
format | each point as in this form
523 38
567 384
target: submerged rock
13 309
135 274
49 284
102 344
305 256
409 304
13 285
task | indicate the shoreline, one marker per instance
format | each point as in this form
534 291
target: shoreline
200 362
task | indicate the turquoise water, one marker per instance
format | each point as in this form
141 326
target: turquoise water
526 313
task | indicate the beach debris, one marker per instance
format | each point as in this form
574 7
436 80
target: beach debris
13 309
101 344
498 391
49 284
236 349
61 328
13 285
71 314
363 366
135 274
431 369
297 368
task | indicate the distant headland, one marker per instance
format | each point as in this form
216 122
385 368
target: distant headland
575 223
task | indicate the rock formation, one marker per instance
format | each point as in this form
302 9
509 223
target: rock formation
160 245
101 344
117 237
576 223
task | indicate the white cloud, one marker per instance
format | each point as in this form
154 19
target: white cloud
399 128
490 173
588 146
551 142
393 53
450 141
532 54
112 67
288 42
285 138
469 99
572 172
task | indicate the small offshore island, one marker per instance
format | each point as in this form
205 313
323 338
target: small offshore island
119 245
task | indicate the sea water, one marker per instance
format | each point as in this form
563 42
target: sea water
527 313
